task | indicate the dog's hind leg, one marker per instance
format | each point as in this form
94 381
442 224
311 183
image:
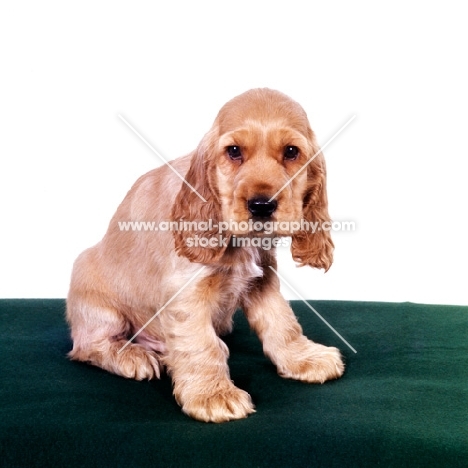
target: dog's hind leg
100 337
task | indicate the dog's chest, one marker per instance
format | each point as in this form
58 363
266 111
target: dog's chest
248 270
240 276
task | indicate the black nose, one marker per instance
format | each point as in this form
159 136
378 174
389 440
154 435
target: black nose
261 206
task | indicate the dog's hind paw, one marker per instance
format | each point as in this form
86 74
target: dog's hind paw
136 362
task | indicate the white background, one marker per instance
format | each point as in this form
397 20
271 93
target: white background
399 170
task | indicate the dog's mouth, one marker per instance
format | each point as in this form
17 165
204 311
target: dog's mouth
261 226
260 216
255 226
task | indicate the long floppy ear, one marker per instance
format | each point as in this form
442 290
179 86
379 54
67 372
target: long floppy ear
308 247
199 239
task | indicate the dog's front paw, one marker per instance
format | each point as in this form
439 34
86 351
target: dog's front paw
312 362
224 404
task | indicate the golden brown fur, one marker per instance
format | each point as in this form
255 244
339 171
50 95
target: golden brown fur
122 282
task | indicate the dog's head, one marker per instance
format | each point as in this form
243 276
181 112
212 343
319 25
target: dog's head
260 171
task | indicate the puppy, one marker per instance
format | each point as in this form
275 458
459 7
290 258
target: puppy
173 291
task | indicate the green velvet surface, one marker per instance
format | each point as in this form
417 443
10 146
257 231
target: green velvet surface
403 400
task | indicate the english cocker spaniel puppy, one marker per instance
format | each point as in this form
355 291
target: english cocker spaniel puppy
144 300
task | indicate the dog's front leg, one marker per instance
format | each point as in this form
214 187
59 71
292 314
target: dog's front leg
197 362
295 356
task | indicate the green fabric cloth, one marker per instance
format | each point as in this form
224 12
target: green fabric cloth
403 400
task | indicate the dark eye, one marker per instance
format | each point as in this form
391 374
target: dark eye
234 152
291 153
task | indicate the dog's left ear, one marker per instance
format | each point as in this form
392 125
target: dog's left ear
308 247
198 209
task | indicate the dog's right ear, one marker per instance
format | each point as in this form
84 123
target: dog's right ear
197 209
